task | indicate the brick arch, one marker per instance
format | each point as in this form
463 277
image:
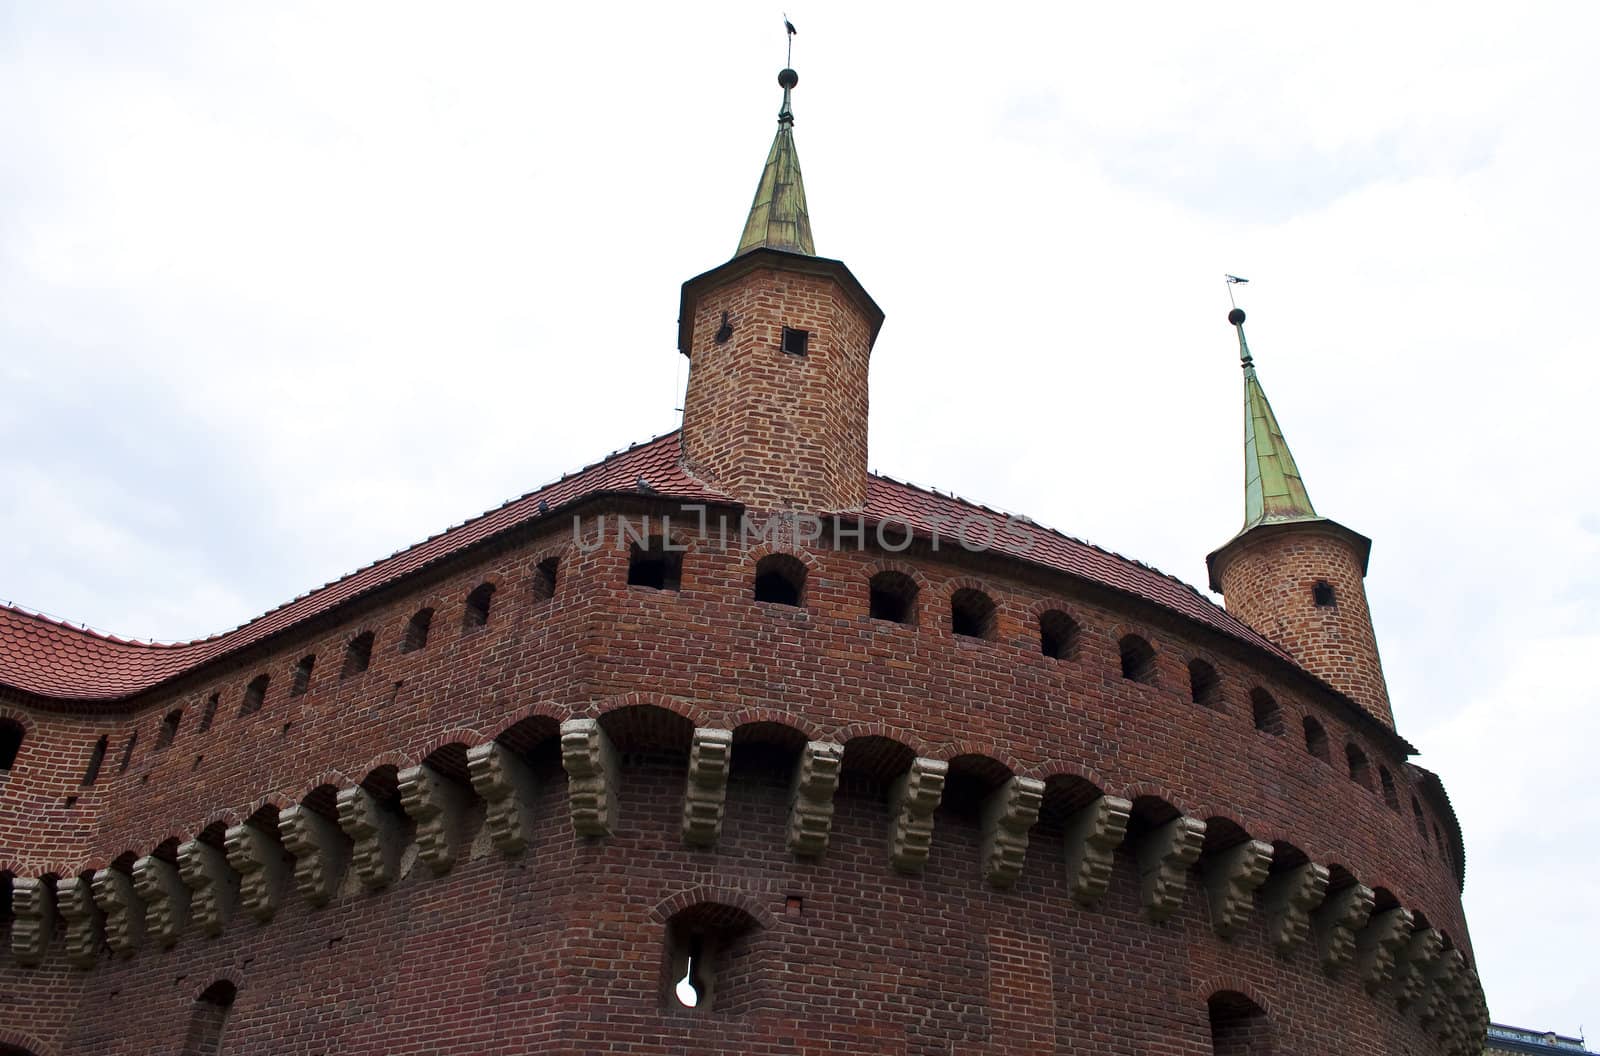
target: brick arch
697 714
752 715
553 710
957 749
753 556
1049 770
277 800
397 759
1205 988
740 898
846 734
30 725
227 973
337 779
905 568
1148 790
419 751
27 1042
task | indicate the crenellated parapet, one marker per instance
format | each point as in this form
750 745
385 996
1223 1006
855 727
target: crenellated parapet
1291 897
263 872
592 777
212 882
710 756
1231 881
913 798
439 807
1093 835
1165 855
165 898
1009 812
321 852
1343 913
84 921
506 786
816 778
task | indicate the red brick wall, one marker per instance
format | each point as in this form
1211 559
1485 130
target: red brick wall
774 430
562 950
1268 582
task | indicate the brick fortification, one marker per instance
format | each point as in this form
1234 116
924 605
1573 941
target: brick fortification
517 788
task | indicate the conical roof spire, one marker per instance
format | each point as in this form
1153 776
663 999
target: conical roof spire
1273 490
778 218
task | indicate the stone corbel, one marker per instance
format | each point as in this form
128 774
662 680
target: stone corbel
439 806
377 837
1379 944
166 899
1093 835
506 786
124 913
816 778
1414 964
321 852
1343 913
1232 877
592 777
912 800
85 922
33 907
1290 898
1165 855
1009 812
1442 982
213 884
259 861
704 798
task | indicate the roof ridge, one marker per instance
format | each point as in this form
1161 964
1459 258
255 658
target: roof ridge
52 620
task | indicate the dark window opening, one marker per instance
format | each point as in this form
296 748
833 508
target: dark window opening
477 614
209 716
1204 685
780 580
11 735
169 728
1360 769
1444 848
1386 780
796 342
713 960
1422 826
544 579
127 752
97 759
655 566
1265 712
972 614
1322 594
357 655
1316 739
302 675
255 694
416 635
892 596
1058 636
210 1017
1239 1026
1138 660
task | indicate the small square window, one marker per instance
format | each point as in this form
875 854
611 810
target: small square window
1322 595
795 342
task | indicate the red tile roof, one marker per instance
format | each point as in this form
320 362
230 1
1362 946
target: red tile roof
49 658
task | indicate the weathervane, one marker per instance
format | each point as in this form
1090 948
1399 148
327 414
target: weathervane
1233 280
789 32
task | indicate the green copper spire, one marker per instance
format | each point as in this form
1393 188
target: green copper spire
778 218
1273 490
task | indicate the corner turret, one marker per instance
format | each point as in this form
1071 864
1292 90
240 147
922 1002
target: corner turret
1293 575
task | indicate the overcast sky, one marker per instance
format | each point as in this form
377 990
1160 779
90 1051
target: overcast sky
284 288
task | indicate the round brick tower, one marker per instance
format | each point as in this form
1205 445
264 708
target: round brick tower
605 770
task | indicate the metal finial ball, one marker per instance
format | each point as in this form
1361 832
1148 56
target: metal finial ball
788 78
1236 316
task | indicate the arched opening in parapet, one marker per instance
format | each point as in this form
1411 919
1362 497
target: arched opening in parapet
417 628
209 1019
11 737
476 614
871 764
300 681
97 758
650 738
780 580
536 740
765 755
892 597
972 614
1138 659
713 959
1386 782
1239 1026
1316 739
1058 635
655 564
1360 769
1149 813
357 655
1205 688
255 694
1265 713
545 572
969 782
